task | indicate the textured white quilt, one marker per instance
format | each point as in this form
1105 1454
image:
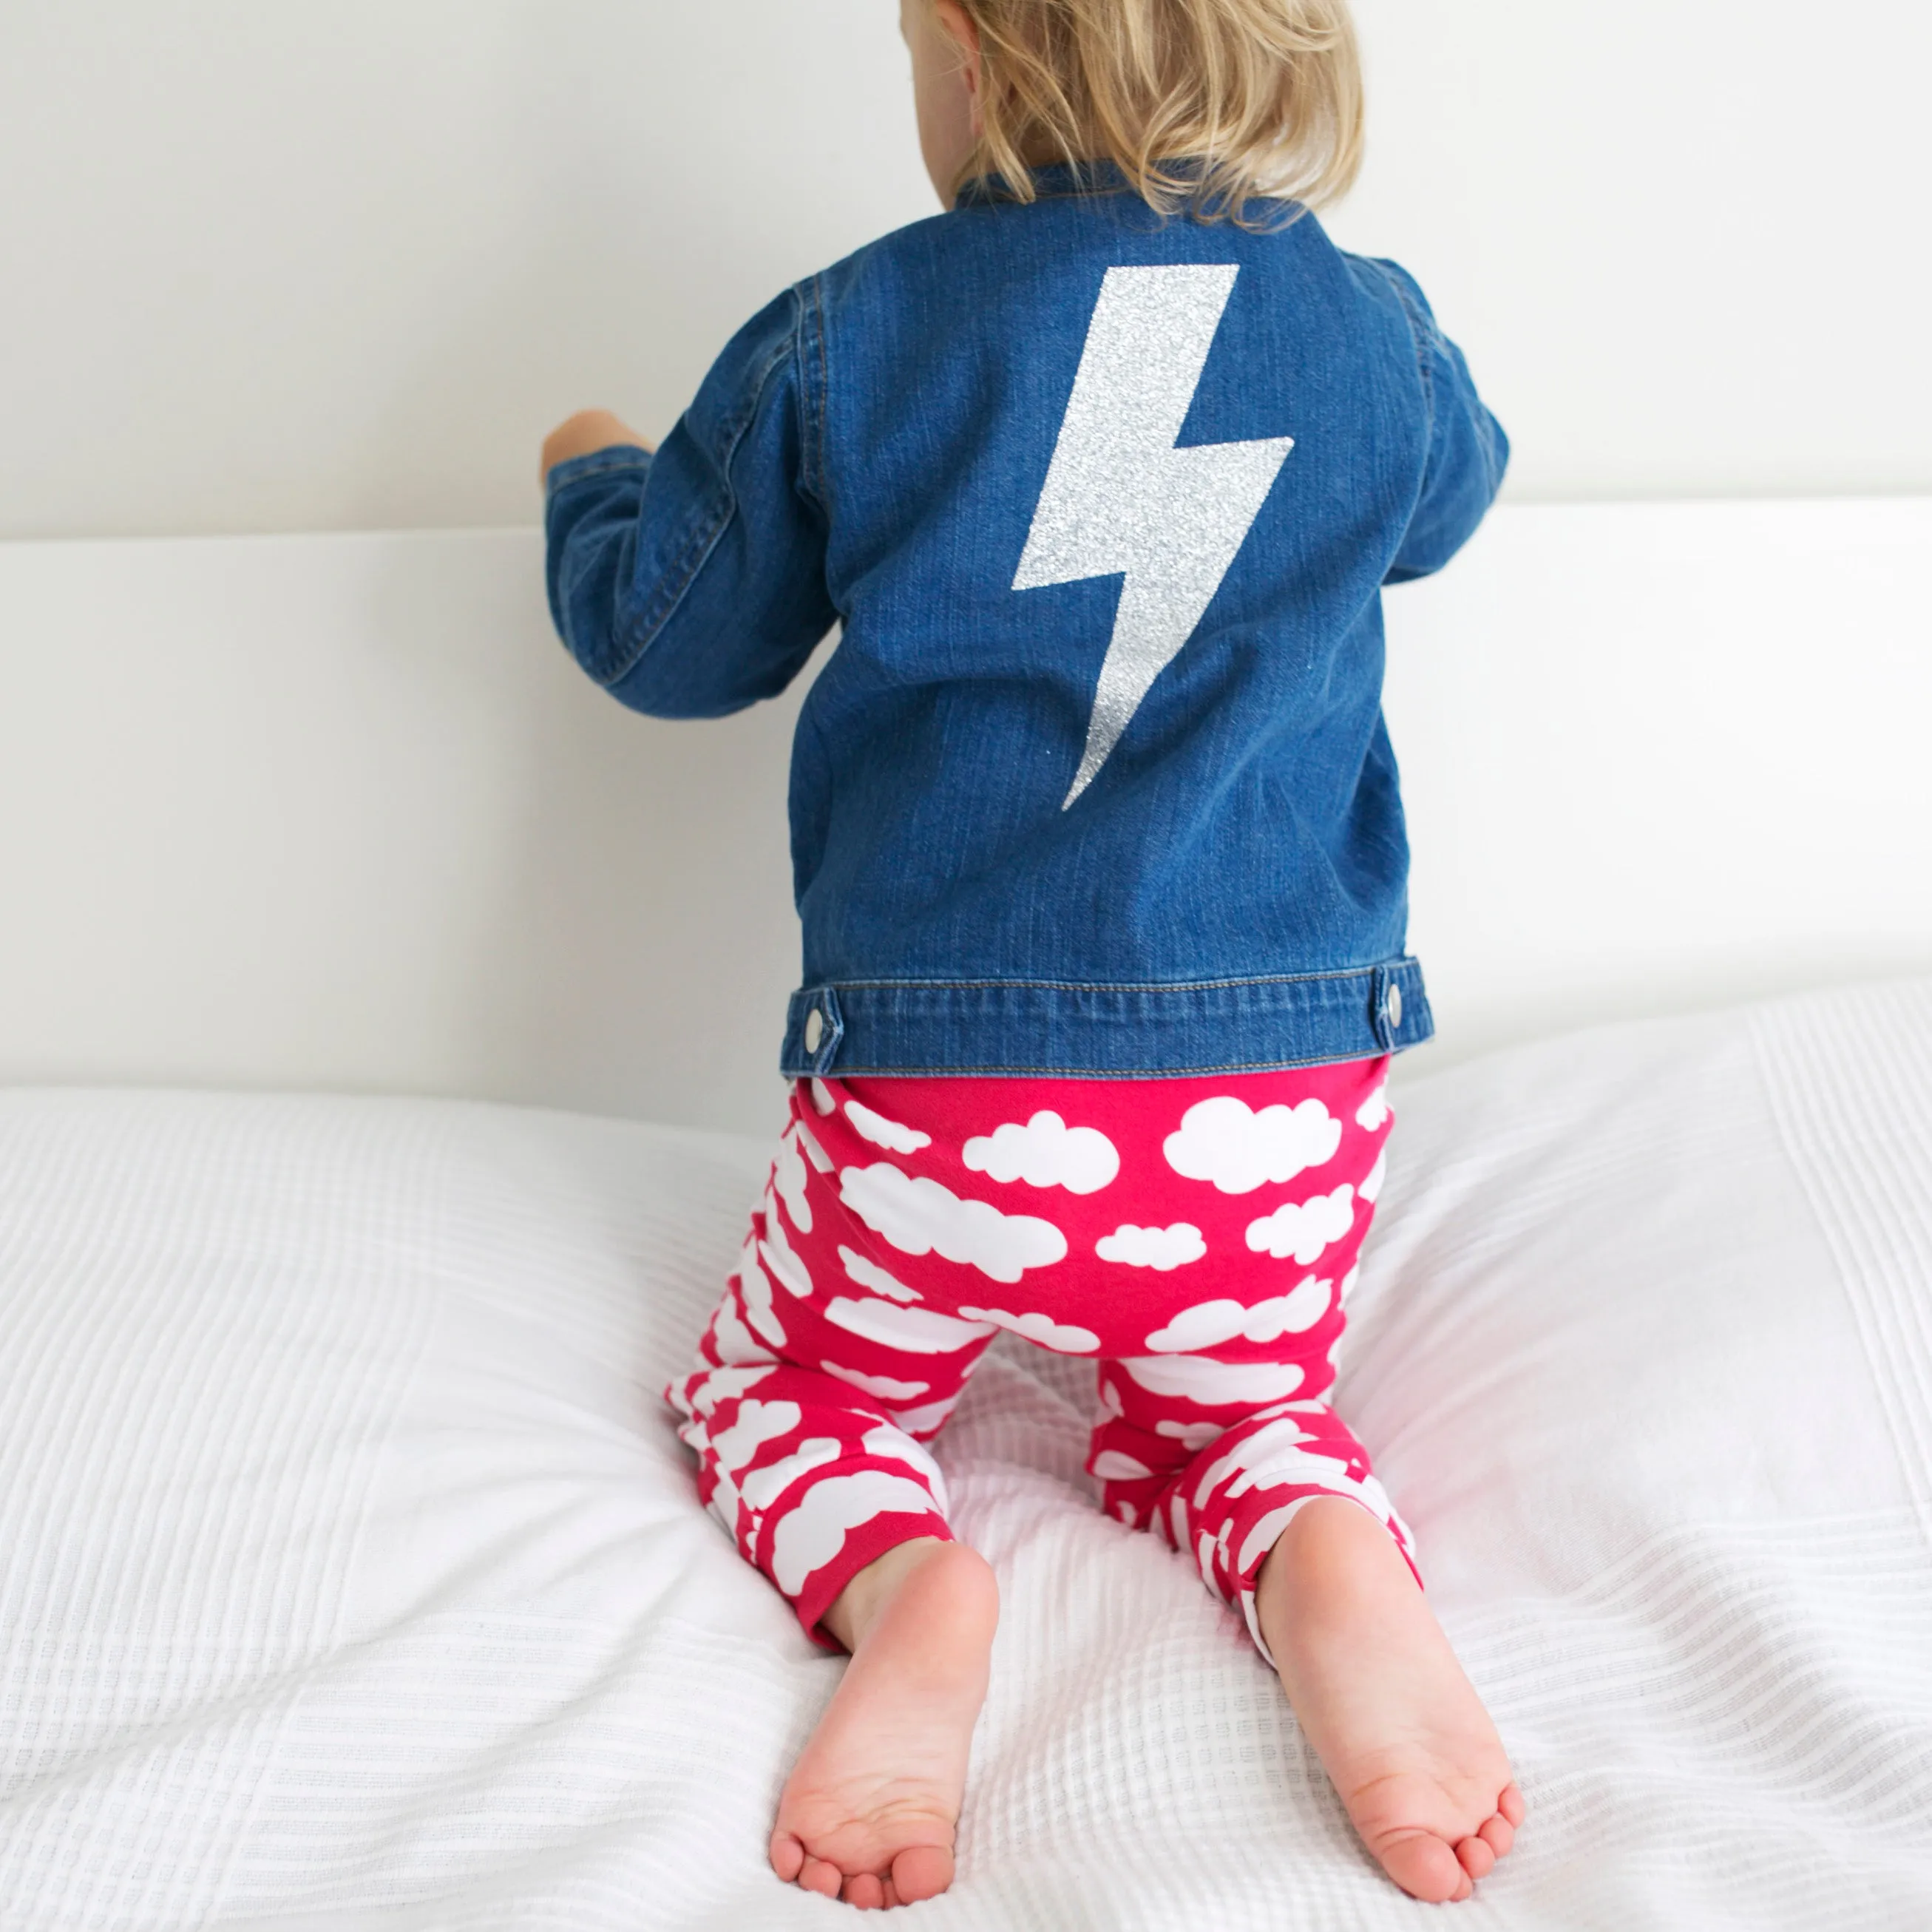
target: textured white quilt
353 1577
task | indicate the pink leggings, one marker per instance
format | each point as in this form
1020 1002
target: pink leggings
1196 1237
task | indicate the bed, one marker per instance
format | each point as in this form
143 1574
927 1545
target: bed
350 1573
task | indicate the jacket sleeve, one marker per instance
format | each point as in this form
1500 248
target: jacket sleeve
691 583
1467 451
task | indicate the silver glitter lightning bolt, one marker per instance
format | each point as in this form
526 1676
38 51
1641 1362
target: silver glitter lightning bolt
1119 496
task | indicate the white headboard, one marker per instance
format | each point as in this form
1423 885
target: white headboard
337 811
1663 755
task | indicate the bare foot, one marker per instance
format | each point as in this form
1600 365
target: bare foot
1381 1697
869 1811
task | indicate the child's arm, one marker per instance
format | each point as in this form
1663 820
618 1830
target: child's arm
691 582
1467 451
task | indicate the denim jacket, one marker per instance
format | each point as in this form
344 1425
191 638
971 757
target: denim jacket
1096 781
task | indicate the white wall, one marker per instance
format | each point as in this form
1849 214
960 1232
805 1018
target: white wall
338 266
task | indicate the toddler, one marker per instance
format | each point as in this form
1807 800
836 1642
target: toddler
1100 859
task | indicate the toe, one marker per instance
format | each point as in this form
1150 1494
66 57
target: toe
922 1871
865 1891
1476 1857
818 1875
786 1854
1499 1834
1511 1805
1424 1866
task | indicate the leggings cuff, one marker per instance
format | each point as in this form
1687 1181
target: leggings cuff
866 1544
1398 1533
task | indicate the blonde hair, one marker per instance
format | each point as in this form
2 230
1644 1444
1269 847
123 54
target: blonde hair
1202 104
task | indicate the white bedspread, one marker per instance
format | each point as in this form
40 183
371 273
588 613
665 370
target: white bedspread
353 1577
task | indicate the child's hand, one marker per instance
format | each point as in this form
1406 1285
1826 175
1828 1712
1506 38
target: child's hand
584 434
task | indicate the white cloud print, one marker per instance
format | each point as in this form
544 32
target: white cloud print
762 1487
1371 1114
1207 1324
788 1177
726 1385
1062 1337
919 1216
1252 1452
885 1133
1224 1141
1045 1152
869 1274
924 1421
756 1289
1193 1436
889 1444
1300 1232
887 1388
731 1341
912 1331
779 1253
1211 1385
808 1141
753 1425
810 1535
1161 1248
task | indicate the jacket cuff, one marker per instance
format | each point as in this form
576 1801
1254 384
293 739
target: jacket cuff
620 456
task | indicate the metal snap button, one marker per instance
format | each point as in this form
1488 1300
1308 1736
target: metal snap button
1394 1008
814 1029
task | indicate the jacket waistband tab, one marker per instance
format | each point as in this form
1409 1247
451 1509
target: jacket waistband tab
924 1028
